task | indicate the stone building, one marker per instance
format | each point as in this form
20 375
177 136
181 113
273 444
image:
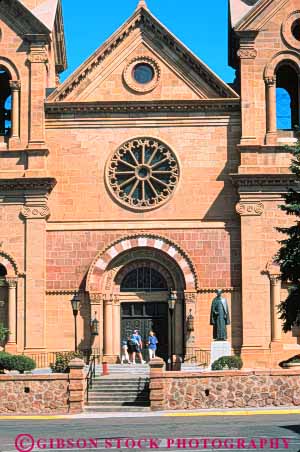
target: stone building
144 175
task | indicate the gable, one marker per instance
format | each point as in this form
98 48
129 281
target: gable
187 72
260 15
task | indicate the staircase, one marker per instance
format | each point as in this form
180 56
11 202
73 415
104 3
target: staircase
125 389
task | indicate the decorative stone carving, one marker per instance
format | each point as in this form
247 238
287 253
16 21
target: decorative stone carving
36 212
143 173
38 57
190 297
249 53
250 208
287 29
96 298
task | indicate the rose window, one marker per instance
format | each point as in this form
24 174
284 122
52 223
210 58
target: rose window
143 173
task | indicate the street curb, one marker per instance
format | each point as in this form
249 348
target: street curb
198 413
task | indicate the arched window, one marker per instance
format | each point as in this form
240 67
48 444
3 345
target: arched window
143 279
5 103
287 97
3 271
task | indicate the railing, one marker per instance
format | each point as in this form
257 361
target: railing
90 376
44 359
197 356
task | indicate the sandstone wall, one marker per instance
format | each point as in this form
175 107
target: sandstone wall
226 389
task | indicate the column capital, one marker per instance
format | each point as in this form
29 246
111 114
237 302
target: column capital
11 282
15 85
35 212
190 297
274 279
96 298
270 81
37 54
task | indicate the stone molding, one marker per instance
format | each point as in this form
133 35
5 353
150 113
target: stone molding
96 298
259 15
35 212
287 29
144 240
249 208
142 88
150 27
21 18
261 180
206 105
270 81
63 292
22 184
9 263
38 57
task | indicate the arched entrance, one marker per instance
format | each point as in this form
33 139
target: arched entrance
129 285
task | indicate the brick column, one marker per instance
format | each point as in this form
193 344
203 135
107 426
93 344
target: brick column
157 390
11 345
76 386
15 86
271 136
275 283
35 216
37 59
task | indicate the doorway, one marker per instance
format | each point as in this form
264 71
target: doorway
144 317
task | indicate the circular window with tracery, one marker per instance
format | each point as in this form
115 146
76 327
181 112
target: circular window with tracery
143 173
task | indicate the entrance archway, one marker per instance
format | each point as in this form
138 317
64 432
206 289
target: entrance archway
131 280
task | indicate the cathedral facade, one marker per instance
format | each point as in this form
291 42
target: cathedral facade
144 179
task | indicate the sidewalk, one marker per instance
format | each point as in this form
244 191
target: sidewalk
192 413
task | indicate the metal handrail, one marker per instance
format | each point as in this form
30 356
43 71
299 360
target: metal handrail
90 376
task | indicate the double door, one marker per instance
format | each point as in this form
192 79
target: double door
146 317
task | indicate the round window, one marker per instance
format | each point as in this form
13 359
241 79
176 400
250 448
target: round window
296 29
143 173
143 73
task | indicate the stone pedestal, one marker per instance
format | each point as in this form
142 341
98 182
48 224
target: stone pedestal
219 349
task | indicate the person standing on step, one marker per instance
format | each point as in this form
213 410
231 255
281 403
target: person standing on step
124 352
152 345
137 345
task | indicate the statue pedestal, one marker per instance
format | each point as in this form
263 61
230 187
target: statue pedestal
219 349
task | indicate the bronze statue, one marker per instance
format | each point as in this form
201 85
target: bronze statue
219 317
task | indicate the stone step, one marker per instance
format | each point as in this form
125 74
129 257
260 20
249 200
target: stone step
119 403
132 396
119 392
119 386
114 409
121 400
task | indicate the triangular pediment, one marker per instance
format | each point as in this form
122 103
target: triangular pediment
19 18
101 77
260 15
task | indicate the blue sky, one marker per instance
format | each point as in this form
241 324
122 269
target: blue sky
200 25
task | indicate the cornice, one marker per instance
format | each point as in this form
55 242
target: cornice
22 184
263 180
206 105
142 19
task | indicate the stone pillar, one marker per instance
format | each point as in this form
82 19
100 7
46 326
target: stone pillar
108 330
275 291
96 300
37 59
189 336
116 316
247 54
76 386
271 136
35 216
157 390
15 86
11 345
